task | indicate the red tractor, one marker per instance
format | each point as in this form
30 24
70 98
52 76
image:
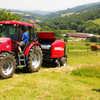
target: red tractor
10 32
45 48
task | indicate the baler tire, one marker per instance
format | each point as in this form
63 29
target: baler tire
34 60
63 61
7 65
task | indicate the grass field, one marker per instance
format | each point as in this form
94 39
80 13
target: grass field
79 80
66 31
97 21
67 14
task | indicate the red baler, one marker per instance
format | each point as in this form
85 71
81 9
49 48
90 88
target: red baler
53 50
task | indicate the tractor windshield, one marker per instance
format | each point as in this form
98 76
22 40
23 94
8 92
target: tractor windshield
10 31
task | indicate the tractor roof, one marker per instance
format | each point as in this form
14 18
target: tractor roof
16 22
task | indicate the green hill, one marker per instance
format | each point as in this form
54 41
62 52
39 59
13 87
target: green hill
78 22
74 10
97 21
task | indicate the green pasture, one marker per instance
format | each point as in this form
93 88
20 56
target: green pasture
67 14
66 31
79 80
97 21
81 53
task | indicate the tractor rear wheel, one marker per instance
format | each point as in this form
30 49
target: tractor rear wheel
7 65
63 61
34 60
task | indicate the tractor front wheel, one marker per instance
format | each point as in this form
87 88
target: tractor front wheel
35 59
63 61
7 65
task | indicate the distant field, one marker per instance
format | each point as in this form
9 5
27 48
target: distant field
20 13
17 13
97 21
67 14
66 31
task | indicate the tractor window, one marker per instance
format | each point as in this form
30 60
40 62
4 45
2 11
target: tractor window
9 31
32 33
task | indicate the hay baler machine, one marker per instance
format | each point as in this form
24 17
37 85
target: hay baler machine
53 50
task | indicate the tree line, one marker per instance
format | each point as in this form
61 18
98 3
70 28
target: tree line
79 22
6 15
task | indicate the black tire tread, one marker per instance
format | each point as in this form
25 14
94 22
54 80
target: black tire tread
3 57
29 67
62 60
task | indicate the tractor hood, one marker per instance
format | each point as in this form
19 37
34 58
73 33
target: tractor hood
46 35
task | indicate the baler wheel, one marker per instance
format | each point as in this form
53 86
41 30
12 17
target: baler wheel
63 61
34 60
7 65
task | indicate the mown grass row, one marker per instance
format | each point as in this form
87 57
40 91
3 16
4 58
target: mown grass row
88 71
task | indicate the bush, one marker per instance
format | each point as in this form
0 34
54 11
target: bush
65 39
87 44
94 39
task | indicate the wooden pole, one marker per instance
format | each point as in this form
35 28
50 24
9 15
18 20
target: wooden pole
77 53
67 50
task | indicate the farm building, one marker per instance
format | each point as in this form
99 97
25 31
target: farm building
86 36
90 35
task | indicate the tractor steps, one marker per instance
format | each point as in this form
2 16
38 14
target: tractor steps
22 61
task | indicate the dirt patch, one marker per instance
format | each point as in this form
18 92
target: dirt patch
66 69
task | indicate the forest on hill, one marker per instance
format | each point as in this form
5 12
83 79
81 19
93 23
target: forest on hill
79 22
74 10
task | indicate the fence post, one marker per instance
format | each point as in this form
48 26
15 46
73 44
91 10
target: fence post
67 50
77 53
97 53
87 50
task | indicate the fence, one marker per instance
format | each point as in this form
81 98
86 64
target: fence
82 53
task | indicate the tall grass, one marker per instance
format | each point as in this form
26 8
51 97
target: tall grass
88 71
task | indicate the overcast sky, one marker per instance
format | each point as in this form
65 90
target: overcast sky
44 5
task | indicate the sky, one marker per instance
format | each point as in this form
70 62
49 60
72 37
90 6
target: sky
43 5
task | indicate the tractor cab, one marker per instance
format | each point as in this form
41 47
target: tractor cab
13 31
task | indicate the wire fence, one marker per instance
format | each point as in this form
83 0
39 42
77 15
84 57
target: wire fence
82 53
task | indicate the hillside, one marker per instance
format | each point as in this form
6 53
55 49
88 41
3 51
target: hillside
27 14
78 22
97 21
74 10
37 14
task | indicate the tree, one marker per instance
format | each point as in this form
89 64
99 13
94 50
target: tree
94 39
65 39
6 15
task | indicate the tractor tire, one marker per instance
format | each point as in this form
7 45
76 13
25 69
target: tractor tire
63 61
34 60
7 65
